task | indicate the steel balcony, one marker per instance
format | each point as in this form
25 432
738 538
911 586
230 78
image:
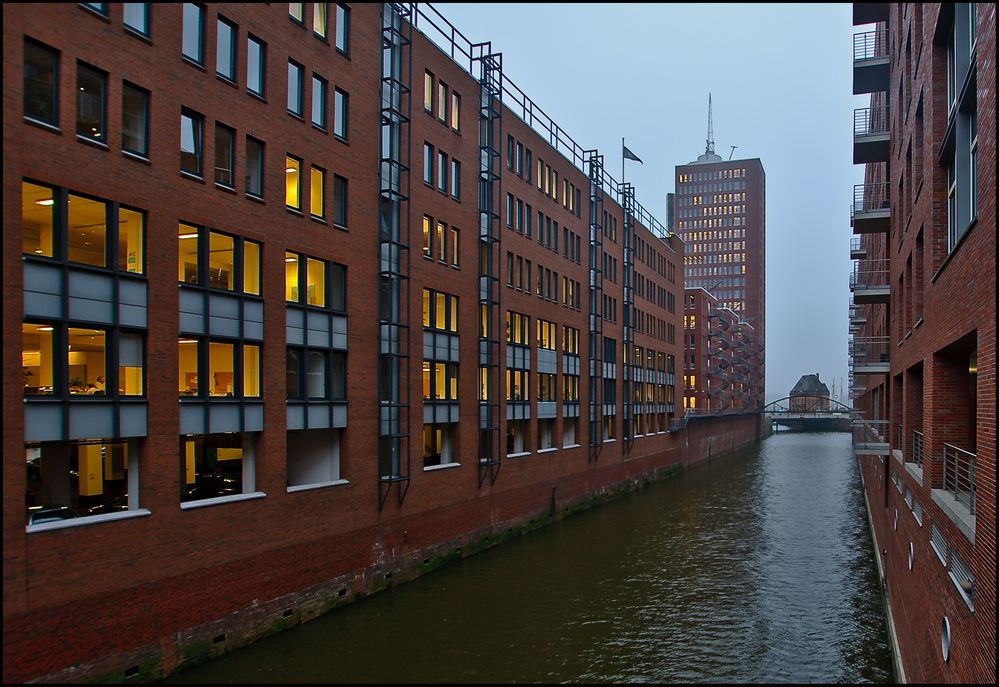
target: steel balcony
871 209
857 251
870 62
870 355
870 135
869 12
870 437
869 281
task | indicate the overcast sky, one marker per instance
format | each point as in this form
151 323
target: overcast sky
781 86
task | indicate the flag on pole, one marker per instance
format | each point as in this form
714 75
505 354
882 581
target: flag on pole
628 155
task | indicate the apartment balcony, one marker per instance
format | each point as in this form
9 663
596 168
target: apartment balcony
857 390
870 135
871 209
870 355
869 12
914 458
870 437
957 497
857 251
869 281
870 62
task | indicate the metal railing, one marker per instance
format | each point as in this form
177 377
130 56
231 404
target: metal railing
959 475
917 448
870 121
855 244
870 197
869 274
870 350
901 439
869 432
870 44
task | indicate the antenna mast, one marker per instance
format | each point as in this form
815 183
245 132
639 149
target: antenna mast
732 153
709 149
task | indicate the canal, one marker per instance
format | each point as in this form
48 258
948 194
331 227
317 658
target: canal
756 567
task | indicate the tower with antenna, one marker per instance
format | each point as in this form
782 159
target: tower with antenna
709 143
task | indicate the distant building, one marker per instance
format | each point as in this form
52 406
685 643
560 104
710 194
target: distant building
809 394
720 213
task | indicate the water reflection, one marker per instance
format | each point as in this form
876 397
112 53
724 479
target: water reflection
755 568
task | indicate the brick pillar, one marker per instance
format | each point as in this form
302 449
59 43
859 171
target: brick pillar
913 406
947 401
897 416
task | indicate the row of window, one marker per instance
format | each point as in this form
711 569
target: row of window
60 359
712 176
317 192
447 104
436 168
712 223
441 242
320 100
320 22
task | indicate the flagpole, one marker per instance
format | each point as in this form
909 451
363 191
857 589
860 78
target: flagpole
622 160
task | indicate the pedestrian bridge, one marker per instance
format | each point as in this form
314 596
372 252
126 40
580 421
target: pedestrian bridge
806 413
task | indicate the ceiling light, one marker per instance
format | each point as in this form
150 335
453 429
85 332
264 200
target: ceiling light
290 170
45 201
45 329
188 236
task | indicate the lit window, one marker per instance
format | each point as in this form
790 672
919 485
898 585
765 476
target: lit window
317 193
296 12
292 174
91 95
37 359
441 101
319 19
87 231
214 465
221 248
251 267
455 111
131 236
428 92
291 267
37 207
427 221
86 361
316 276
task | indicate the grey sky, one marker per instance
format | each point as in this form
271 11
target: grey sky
781 85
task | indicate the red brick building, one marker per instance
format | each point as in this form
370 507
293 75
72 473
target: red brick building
720 213
923 326
721 354
223 225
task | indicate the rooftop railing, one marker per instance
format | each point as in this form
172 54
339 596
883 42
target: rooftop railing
959 475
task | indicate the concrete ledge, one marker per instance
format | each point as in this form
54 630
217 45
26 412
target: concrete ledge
916 471
956 511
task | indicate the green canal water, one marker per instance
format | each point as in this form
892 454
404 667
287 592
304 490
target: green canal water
755 567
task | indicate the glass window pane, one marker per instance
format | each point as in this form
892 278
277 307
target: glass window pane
295 10
225 156
292 169
37 361
426 308
455 110
319 18
134 104
193 31
339 201
255 53
340 113
251 371
251 267
225 53
137 16
291 277
131 235
338 287
342 28
130 364
86 231
316 270
317 374
338 375
86 361
90 95
254 167
187 358
190 143
318 102
291 366
40 97
37 205
220 369
187 263
440 312
220 260
317 192
294 88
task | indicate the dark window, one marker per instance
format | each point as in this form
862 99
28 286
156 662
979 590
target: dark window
455 179
225 53
194 32
225 156
339 201
91 94
319 101
191 137
340 102
295 88
342 28
134 119
256 60
137 17
428 164
41 66
338 287
99 7
254 167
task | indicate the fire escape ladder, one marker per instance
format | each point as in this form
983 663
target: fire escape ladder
630 365
491 420
393 253
595 163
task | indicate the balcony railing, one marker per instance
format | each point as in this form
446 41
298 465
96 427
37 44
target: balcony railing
870 45
869 274
870 121
917 448
959 475
857 251
870 436
870 198
870 354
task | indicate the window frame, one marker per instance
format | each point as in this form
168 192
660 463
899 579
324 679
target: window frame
102 78
321 99
221 21
342 20
53 91
198 131
200 59
261 72
260 168
220 127
129 86
299 69
143 32
341 114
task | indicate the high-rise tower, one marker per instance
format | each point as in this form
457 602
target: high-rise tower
720 213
